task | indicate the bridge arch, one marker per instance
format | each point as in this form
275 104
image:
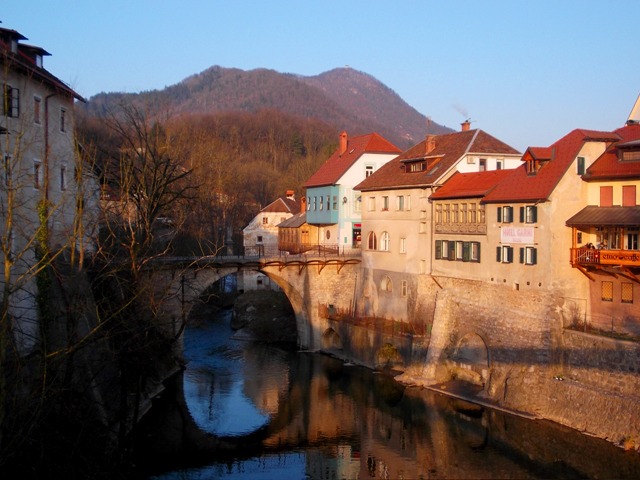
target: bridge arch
470 360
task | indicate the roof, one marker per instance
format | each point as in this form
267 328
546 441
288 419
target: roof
609 165
24 62
468 185
556 159
605 216
296 221
446 152
282 204
337 164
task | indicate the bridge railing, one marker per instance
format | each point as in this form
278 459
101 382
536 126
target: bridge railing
300 250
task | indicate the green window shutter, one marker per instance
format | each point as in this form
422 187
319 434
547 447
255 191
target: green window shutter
498 253
466 251
521 255
452 250
499 214
509 254
534 214
438 249
522 217
534 256
478 245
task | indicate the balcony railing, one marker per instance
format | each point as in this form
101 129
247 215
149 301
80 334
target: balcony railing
592 256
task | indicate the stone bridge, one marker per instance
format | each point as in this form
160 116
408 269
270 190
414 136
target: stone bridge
311 283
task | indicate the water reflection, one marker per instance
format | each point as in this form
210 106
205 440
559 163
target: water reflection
260 412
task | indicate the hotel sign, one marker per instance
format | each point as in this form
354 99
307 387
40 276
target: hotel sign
516 235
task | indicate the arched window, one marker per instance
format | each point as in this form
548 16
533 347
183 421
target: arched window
384 242
372 241
386 284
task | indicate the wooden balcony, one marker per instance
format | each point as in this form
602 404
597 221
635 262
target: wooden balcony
585 257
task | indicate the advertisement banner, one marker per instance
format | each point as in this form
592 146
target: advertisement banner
517 235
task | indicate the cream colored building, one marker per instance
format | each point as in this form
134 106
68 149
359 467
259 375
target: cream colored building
397 215
44 182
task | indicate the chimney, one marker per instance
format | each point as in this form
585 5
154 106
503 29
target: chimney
430 144
291 195
466 125
343 142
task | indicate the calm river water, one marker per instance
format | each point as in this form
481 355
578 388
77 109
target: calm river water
248 411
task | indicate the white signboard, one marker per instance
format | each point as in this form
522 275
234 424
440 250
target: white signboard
516 235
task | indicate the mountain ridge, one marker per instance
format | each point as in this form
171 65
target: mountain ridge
343 97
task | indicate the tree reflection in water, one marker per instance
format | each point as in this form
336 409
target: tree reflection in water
244 410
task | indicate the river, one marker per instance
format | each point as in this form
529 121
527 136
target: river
244 411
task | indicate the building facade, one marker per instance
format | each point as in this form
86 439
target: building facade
45 186
260 237
333 206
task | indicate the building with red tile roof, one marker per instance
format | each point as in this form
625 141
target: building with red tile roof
260 236
332 204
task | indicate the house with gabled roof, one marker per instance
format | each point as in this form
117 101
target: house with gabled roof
460 224
525 213
397 215
260 236
333 206
610 221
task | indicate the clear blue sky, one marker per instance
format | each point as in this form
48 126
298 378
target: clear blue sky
527 72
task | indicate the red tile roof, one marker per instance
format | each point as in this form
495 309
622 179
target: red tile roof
468 185
609 165
448 150
522 186
282 204
337 164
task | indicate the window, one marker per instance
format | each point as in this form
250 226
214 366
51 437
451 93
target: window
483 165
328 203
63 120
474 251
630 155
459 250
632 241
400 202
446 214
504 254
405 288
265 220
308 203
384 242
387 285
580 166
481 217
498 164
438 213
441 246
37 174
357 204
335 202
473 218
505 214
368 170
371 204
63 177
321 203
628 195
451 253
606 291
259 239
11 102
529 214
454 213
372 241
403 245
417 167
627 292
385 203
37 103
529 255
606 196
407 202
463 213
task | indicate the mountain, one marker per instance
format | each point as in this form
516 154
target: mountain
345 98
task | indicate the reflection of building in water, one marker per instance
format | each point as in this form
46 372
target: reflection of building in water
342 461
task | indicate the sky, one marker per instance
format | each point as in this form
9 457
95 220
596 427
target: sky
527 72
